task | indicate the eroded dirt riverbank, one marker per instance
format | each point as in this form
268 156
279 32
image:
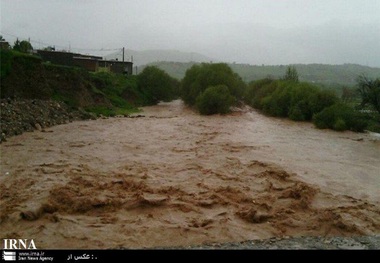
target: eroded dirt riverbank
176 178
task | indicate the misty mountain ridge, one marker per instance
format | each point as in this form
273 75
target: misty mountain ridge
320 74
176 62
145 57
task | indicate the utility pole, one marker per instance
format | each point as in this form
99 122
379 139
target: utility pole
123 53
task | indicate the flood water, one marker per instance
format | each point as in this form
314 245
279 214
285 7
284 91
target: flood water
176 178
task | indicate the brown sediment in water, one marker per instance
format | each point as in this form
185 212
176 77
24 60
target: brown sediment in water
176 178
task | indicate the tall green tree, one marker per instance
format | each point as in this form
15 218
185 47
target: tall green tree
369 90
23 46
291 74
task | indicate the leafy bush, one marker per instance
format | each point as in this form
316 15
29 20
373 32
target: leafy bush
199 77
278 102
258 90
322 99
340 125
157 85
297 112
305 102
298 101
23 46
215 99
301 100
369 90
340 117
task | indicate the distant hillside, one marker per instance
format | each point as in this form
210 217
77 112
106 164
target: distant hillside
327 75
151 56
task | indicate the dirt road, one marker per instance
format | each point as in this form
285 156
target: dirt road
176 178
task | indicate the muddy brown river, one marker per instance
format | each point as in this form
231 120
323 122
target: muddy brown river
174 178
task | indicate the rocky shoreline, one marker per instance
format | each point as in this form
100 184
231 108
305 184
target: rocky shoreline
24 115
295 243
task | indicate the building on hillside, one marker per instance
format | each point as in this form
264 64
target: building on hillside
88 62
4 45
57 57
116 66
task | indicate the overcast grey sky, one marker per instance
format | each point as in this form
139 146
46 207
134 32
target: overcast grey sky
242 31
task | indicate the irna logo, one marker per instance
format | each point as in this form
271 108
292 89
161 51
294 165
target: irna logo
9 255
19 244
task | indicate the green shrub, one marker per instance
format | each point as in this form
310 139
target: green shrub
215 99
369 90
297 113
257 93
322 99
251 91
199 77
302 95
278 103
282 98
157 85
340 125
340 117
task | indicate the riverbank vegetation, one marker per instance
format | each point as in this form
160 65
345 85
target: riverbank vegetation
301 101
208 88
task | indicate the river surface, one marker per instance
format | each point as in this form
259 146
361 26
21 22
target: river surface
175 178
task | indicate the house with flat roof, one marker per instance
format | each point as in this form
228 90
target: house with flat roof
116 66
4 44
88 62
